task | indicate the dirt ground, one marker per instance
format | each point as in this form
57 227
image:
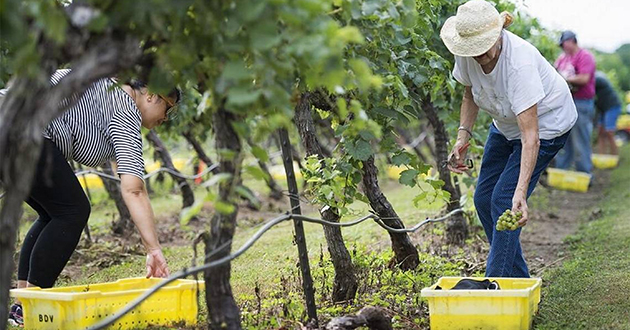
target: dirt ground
555 215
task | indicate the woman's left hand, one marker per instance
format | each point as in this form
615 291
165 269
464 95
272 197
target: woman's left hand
519 203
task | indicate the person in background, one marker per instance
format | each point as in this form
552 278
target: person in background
103 124
577 66
608 107
532 112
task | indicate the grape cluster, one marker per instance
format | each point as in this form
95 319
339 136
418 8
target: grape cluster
509 220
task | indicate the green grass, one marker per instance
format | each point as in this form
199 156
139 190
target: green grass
592 288
273 253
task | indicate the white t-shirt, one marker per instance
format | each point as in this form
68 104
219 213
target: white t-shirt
521 78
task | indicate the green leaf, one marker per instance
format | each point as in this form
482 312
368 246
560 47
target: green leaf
367 135
216 179
98 23
248 194
420 76
369 7
256 172
436 63
188 213
364 75
446 196
343 107
359 196
401 159
54 22
235 70
408 177
392 11
265 35
422 167
205 103
323 114
387 112
418 201
242 96
260 154
360 150
159 80
349 34
224 208
436 184
227 154
251 10
469 181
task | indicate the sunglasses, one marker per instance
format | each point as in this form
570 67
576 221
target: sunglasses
171 107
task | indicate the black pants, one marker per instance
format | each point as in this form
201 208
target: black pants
63 210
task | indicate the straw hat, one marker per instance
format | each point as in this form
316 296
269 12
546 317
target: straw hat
474 29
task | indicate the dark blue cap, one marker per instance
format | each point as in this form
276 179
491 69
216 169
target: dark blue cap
567 35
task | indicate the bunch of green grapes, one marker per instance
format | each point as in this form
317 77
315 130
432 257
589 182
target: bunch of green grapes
509 220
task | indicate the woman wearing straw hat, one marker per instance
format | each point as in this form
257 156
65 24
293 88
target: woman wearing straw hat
532 112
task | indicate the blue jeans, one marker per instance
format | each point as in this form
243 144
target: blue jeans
609 118
578 148
497 182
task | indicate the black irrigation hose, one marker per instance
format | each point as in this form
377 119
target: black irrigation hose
146 176
186 272
149 175
416 227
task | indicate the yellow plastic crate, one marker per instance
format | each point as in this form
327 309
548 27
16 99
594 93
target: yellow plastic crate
510 308
78 307
179 163
393 172
605 161
568 180
91 181
623 122
277 171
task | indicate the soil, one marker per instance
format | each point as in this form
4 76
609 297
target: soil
554 215
107 249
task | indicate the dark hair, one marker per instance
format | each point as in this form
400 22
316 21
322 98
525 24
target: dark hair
136 84
175 93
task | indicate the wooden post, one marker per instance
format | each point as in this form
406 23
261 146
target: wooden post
300 239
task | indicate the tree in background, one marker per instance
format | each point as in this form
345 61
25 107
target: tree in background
617 67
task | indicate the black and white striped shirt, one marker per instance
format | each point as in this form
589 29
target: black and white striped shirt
102 125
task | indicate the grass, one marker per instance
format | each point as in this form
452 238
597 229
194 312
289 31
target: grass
275 250
271 254
592 288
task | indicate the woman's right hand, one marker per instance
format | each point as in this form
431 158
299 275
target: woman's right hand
156 264
456 157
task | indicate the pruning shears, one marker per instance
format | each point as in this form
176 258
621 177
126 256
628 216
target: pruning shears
467 163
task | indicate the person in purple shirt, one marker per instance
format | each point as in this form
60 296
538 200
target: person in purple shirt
577 66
